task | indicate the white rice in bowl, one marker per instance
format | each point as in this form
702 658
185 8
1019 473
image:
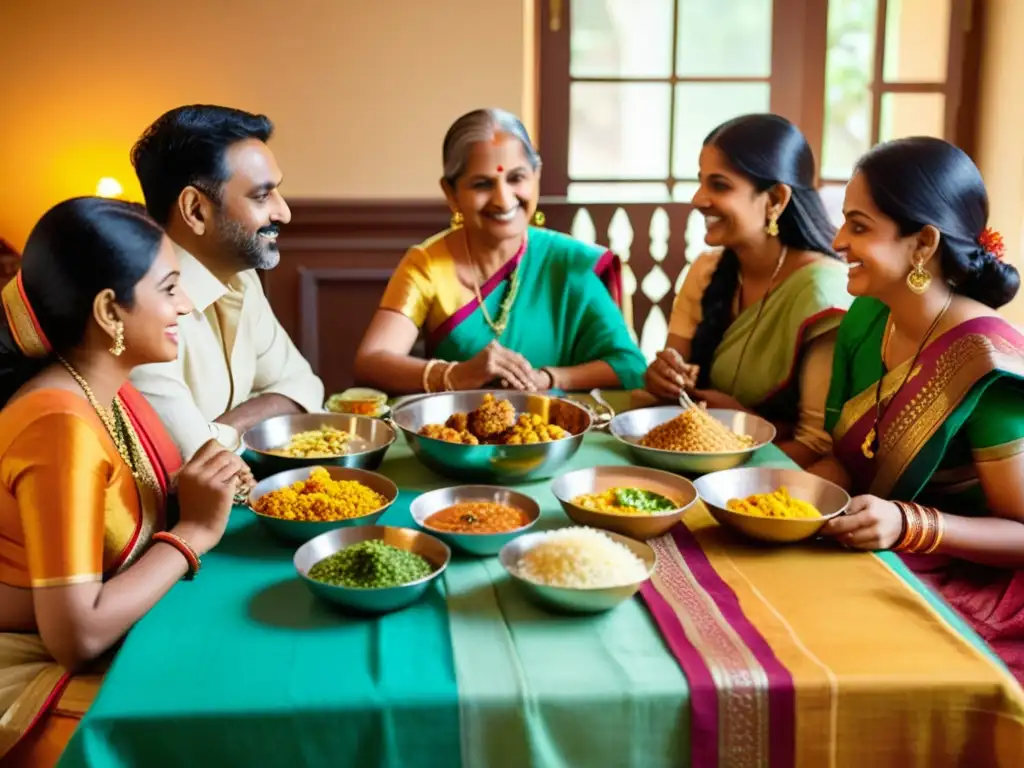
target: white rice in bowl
580 558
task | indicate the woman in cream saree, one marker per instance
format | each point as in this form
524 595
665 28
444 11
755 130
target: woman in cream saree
753 325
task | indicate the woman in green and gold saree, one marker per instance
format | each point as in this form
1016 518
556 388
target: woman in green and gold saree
926 404
499 301
754 324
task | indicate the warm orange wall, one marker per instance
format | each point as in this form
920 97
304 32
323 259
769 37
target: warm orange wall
361 92
1001 146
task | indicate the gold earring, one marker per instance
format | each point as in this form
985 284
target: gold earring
919 278
118 349
772 229
539 218
457 219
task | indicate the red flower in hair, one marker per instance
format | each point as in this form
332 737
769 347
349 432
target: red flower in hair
993 243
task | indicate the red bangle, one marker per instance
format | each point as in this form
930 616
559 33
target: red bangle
182 546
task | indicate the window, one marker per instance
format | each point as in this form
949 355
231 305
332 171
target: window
629 88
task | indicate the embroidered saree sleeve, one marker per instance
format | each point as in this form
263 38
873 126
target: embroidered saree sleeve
59 474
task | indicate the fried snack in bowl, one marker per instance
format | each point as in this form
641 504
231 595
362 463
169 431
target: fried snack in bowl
492 418
494 422
556 424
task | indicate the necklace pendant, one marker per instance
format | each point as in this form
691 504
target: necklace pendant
867 447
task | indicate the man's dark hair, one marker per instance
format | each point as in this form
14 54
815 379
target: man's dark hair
186 146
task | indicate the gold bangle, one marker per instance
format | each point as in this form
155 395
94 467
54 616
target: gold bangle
940 528
913 531
448 386
426 373
928 531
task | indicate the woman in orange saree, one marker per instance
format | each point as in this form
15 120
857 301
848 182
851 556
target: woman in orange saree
926 404
86 469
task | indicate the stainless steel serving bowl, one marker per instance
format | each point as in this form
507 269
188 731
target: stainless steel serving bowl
427 504
631 426
575 599
717 488
371 438
367 600
303 530
598 479
492 463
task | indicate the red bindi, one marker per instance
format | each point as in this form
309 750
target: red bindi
500 169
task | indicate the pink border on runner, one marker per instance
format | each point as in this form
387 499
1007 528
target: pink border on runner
704 696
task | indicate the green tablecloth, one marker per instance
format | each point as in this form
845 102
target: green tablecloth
244 667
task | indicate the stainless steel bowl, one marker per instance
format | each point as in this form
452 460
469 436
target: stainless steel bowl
364 600
371 439
303 530
598 479
570 599
717 488
631 426
492 463
427 504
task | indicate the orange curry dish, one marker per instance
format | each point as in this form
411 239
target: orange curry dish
494 422
477 517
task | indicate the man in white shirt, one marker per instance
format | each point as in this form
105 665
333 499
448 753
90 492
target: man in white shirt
211 181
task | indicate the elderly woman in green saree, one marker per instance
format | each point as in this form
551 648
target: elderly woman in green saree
754 323
926 404
500 302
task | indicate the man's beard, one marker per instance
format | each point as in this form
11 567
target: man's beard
253 250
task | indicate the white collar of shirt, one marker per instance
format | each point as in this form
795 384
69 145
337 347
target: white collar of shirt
202 287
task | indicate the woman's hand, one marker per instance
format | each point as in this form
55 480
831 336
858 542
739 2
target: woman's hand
206 488
669 375
715 399
494 362
869 523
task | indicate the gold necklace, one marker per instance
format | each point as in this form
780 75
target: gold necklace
111 419
505 310
870 445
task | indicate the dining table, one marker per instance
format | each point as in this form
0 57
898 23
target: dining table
736 653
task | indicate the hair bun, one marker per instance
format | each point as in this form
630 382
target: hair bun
993 282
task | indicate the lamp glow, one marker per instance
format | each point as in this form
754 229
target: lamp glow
109 187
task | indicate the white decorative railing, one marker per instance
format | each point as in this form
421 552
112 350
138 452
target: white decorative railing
656 243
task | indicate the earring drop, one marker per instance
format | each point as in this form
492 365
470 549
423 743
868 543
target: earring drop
919 279
118 349
457 220
772 230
